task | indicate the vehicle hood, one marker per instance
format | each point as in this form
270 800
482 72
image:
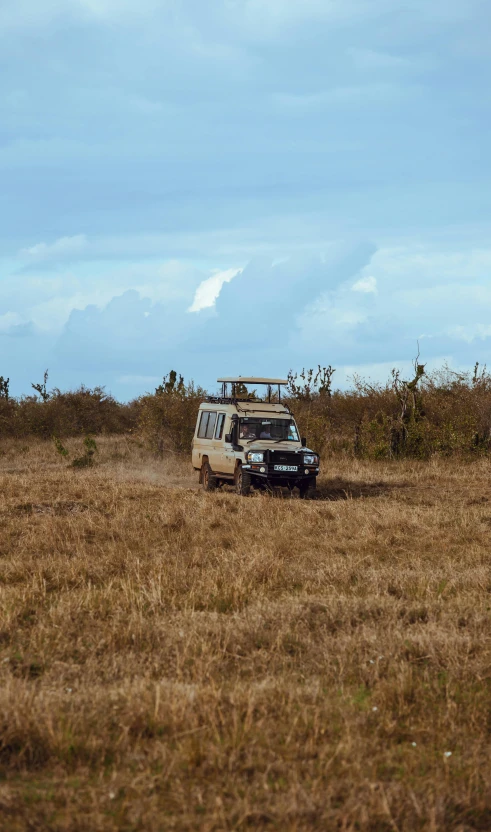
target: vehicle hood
266 444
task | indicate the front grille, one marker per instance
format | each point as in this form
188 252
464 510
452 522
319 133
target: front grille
284 458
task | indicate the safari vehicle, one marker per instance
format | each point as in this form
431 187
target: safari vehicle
251 441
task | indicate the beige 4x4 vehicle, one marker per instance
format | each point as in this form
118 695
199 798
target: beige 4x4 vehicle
249 441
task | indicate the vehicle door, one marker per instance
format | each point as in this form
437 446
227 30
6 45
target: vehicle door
203 442
216 443
227 452
196 445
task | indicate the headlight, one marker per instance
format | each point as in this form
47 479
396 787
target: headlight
311 459
255 456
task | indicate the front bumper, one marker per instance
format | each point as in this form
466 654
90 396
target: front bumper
270 473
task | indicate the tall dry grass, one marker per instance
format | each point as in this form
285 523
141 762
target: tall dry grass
171 659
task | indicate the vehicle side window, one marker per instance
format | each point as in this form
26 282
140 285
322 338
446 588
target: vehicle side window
210 428
203 424
220 422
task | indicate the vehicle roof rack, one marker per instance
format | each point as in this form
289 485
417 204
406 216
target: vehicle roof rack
237 382
237 400
251 380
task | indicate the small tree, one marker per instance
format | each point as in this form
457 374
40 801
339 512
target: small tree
310 395
42 388
170 384
168 418
87 459
411 406
303 386
480 377
60 446
4 388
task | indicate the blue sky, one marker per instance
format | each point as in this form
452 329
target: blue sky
242 186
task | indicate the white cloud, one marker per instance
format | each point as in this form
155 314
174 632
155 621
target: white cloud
48 297
445 294
161 282
252 20
64 247
353 95
208 291
271 17
51 315
110 8
9 320
414 266
30 14
262 20
469 333
368 285
20 13
372 59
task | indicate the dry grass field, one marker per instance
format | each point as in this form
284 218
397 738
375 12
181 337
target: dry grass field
175 660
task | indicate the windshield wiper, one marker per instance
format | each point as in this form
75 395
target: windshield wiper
266 439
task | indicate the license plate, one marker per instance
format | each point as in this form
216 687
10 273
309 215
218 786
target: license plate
286 467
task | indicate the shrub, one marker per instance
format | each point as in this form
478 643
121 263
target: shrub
167 418
72 413
443 412
87 458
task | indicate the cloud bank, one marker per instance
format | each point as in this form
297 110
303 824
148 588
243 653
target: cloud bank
241 186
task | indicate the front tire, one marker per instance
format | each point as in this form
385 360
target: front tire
242 482
208 478
307 489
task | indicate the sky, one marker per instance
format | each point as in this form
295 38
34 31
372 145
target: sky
242 187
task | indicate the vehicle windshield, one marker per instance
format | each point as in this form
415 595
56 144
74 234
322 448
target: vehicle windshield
265 428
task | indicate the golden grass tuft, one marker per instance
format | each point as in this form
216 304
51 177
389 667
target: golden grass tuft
171 659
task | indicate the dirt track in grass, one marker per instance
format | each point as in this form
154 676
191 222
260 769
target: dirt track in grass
171 659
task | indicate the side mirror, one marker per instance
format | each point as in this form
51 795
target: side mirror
228 437
304 442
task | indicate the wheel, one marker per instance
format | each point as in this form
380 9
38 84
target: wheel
208 478
307 489
242 482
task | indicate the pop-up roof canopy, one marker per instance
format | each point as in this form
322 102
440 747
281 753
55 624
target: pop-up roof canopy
251 380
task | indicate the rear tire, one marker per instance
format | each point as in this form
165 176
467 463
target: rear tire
208 478
242 482
307 489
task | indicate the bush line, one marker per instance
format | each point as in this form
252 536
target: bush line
443 412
